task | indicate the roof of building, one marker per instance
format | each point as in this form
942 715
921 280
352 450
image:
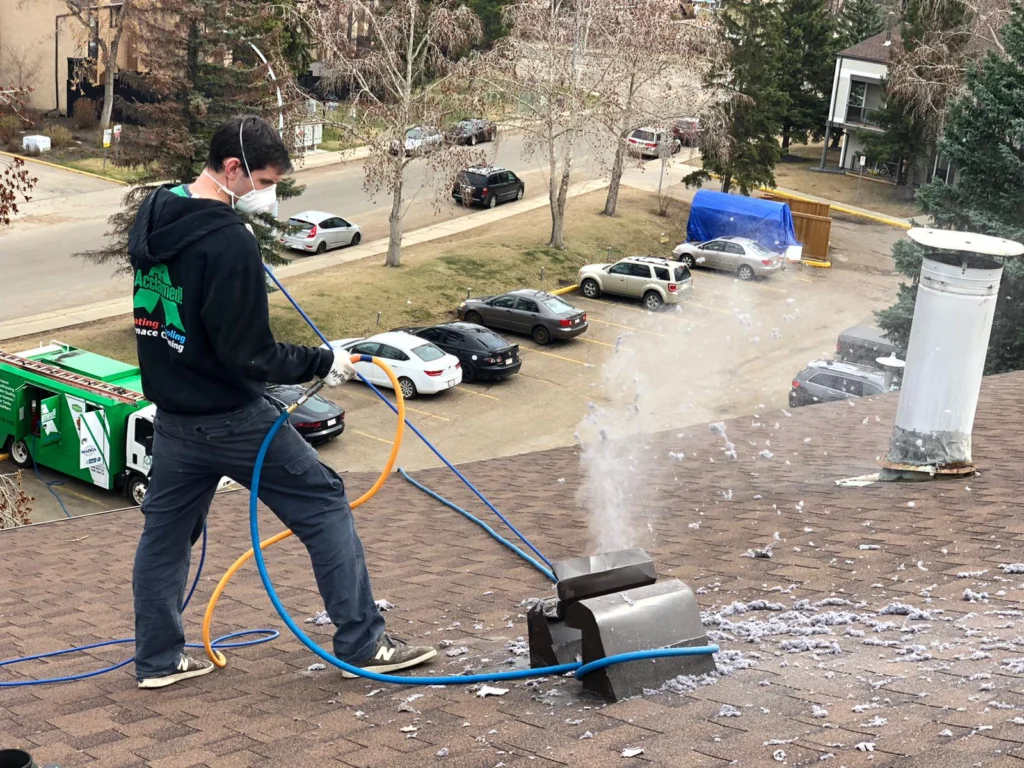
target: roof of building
882 631
876 48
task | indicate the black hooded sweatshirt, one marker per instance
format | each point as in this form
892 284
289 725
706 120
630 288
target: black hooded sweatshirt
202 323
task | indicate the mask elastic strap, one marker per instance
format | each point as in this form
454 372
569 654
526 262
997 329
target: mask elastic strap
241 146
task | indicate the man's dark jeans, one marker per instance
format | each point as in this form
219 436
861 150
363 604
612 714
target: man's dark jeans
190 455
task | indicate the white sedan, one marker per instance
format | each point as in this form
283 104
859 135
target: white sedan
421 367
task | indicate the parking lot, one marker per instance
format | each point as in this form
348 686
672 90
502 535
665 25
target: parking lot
733 346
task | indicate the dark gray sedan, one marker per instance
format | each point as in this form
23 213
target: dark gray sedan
538 314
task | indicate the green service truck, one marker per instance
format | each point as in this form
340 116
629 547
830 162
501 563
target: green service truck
78 413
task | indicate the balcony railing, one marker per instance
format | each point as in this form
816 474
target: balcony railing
861 116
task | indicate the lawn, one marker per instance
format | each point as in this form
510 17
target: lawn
95 165
874 195
435 276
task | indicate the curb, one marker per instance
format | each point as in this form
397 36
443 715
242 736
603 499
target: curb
840 208
817 264
67 168
567 289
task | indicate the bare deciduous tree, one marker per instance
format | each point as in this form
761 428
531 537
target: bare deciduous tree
405 73
19 65
661 65
553 70
15 180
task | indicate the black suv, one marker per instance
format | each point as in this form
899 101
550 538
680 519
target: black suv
487 186
482 352
826 381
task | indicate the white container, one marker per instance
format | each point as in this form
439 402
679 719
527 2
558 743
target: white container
956 301
35 143
794 253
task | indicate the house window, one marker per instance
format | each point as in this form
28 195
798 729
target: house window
855 112
115 16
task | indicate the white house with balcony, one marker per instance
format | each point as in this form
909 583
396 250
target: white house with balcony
857 93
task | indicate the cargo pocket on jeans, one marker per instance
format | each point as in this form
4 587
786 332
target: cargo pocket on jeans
300 464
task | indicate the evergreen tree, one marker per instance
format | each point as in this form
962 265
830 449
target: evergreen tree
491 15
808 46
984 139
746 149
199 71
860 20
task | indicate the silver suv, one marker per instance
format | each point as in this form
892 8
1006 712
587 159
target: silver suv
826 381
655 281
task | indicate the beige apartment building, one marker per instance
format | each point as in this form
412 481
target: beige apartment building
40 41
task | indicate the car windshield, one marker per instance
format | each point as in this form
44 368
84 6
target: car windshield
474 179
303 226
427 352
643 135
491 341
318 405
414 133
558 306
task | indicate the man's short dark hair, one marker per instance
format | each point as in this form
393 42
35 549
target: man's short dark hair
263 147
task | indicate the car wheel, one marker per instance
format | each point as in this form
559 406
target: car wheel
519 194
793 402
746 272
472 140
474 317
492 201
652 301
356 238
541 335
322 248
688 260
590 288
677 145
137 488
20 455
468 372
408 388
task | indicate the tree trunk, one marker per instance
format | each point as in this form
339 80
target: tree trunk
394 257
785 141
726 182
110 57
559 200
613 185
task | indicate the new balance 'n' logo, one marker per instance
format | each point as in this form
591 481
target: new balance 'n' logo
384 653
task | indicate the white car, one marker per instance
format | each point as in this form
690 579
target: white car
319 231
420 140
421 367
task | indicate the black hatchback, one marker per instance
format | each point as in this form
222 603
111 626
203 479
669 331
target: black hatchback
317 420
482 352
487 186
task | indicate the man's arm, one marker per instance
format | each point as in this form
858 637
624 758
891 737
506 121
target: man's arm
237 319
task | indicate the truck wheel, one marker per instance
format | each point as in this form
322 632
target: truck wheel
20 455
137 488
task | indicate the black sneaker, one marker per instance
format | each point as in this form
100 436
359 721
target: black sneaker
187 667
392 655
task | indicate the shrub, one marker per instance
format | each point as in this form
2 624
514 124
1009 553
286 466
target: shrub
10 128
60 136
86 114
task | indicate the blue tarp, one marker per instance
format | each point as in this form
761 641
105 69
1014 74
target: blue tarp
715 214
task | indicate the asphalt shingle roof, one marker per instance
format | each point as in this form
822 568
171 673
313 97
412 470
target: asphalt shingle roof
876 48
870 581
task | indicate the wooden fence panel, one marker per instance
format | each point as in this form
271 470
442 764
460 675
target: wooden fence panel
813 224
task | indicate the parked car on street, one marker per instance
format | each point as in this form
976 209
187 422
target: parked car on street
826 381
743 256
483 353
419 140
864 344
650 142
317 420
687 130
319 231
655 281
538 314
473 131
421 367
487 186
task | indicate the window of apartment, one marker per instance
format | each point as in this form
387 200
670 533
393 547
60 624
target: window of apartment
855 111
115 16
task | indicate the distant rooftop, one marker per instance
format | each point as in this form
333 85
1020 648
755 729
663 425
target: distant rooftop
877 48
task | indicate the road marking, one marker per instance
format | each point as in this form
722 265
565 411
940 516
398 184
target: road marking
373 437
625 327
806 280
713 309
595 341
408 408
81 496
557 357
478 394
556 384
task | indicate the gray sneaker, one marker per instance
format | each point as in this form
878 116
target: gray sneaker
187 667
391 655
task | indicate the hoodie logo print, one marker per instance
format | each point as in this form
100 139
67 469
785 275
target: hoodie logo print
155 288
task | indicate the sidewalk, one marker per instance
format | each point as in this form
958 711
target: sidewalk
52 321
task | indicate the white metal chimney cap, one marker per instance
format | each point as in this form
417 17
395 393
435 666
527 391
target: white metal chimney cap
890 362
949 240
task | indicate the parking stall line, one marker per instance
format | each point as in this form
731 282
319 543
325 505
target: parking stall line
624 327
556 384
478 394
595 341
557 357
372 437
408 408
713 309
82 496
